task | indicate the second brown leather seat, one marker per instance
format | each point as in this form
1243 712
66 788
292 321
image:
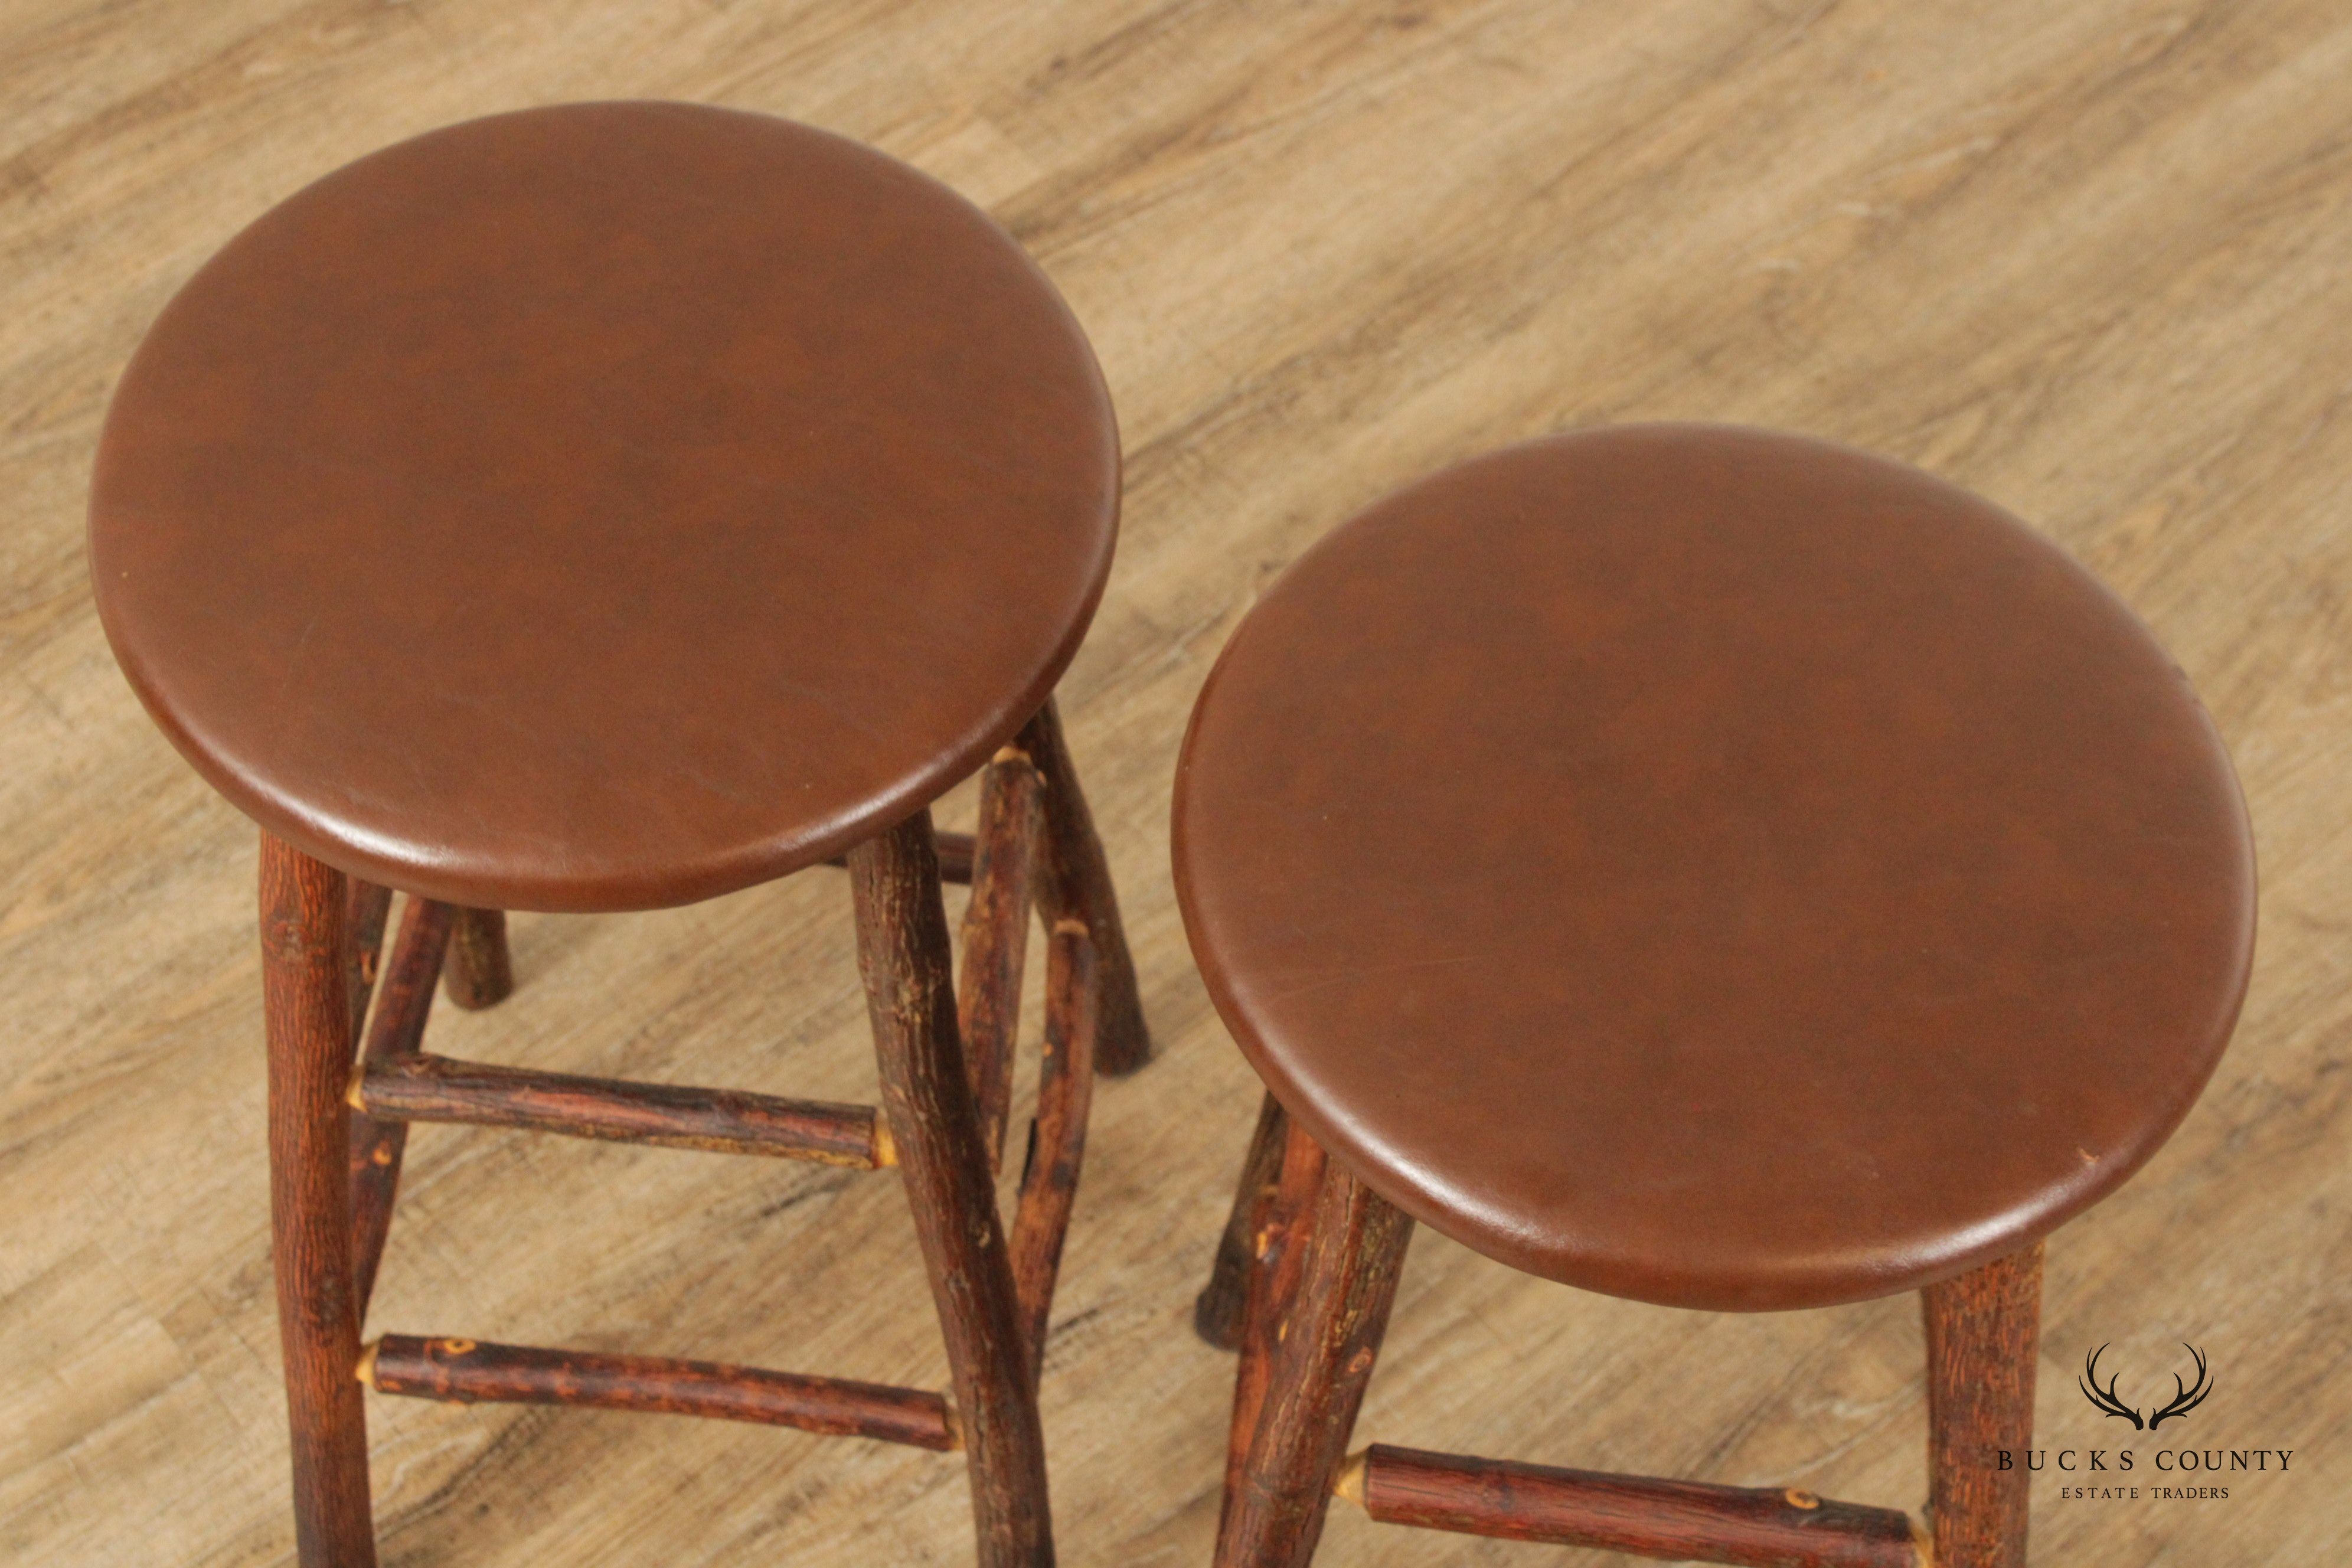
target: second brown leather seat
1714 867
1704 866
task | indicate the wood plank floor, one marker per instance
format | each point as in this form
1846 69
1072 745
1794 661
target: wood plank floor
2095 259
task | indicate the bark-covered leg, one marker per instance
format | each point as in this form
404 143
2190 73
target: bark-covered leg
479 972
1217 1310
1057 1138
1076 886
903 955
1326 1344
1983 1333
306 1005
1277 1262
365 905
396 1030
996 935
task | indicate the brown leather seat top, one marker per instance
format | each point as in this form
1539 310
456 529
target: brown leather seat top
1715 868
605 506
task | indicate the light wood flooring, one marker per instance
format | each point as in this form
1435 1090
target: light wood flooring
2092 259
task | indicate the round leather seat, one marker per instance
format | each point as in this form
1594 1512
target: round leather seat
1714 867
604 507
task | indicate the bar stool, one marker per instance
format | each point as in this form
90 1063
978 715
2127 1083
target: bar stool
604 508
1706 866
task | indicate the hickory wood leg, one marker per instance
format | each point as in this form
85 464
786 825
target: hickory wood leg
395 1032
903 956
1278 1261
996 935
307 1004
365 906
1983 1330
1217 1310
1057 1138
1076 886
1321 1363
479 972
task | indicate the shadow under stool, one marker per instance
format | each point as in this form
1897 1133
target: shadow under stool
1707 867
606 508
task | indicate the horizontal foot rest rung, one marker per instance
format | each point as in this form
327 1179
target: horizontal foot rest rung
424 1088
1678 1520
955 852
469 1371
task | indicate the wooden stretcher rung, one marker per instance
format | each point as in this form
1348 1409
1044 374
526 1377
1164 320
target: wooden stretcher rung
469 1371
1678 1520
423 1087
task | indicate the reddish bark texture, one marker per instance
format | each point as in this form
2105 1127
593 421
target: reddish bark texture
395 1032
1983 1330
418 1087
1274 1516
1677 1521
307 1004
464 1370
1076 886
996 936
1217 1310
903 955
479 972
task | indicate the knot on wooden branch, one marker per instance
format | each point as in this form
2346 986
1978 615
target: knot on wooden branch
287 935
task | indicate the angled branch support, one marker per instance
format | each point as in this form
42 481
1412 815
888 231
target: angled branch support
1217 1310
1057 1138
395 1034
996 936
1075 885
1279 1260
365 908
